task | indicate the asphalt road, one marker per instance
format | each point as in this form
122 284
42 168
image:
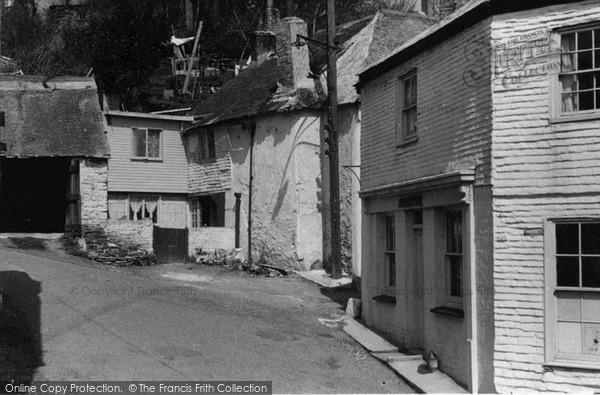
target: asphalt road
99 323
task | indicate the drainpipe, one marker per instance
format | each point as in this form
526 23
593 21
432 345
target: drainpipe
473 289
251 178
238 198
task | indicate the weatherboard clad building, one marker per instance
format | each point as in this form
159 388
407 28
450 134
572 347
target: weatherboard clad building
53 155
479 186
269 122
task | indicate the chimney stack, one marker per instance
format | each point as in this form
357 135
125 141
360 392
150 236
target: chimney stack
293 60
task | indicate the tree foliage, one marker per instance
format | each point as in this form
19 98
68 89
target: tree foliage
128 39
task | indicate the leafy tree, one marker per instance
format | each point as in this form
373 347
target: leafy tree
128 40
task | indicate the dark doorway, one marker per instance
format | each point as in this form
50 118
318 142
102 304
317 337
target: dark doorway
33 194
170 245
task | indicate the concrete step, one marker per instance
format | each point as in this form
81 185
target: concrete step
396 357
369 340
429 382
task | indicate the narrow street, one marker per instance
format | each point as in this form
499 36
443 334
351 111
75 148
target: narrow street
171 323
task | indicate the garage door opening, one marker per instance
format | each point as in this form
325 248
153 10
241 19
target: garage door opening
33 194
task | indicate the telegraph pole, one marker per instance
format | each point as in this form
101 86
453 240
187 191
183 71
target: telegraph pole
332 136
1 15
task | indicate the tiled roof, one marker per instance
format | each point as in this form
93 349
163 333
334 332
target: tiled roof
52 117
256 90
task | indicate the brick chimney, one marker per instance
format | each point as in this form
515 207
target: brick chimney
293 60
263 42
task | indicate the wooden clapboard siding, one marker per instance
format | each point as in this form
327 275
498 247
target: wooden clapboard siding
126 175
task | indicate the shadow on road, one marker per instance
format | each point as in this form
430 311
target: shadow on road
20 336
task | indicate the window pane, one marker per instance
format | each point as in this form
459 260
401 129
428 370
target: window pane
590 239
567 271
591 306
569 102
389 234
568 42
391 267
597 99
411 121
455 275
408 93
569 338
567 238
584 60
153 143
591 339
139 143
567 62
211 144
584 41
596 59
568 306
414 89
586 100
590 272
586 81
454 232
597 38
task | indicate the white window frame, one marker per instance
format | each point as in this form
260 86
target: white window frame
146 157
389 271
206 142
553 357
451 300
195 214
556 113
402 137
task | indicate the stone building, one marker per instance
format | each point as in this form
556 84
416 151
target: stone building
53 155
268 122
480 190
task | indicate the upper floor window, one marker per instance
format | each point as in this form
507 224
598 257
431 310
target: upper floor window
407 124
573 292
576 90
146 143
454 258
207 144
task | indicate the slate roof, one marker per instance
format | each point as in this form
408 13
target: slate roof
255 91
58 117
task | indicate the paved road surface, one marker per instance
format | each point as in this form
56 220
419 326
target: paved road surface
220 326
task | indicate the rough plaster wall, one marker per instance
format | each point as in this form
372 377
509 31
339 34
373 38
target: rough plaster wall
211 239
138 233
173 212
285 214
540 171
93 175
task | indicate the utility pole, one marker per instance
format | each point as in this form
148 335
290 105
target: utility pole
1 15
332 139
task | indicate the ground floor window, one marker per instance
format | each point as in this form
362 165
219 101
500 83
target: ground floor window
142 207
207 211
133 207
454 257
573 290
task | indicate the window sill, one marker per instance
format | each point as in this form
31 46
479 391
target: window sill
448 311
407 142
575 118
146 159
572 365
385 299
